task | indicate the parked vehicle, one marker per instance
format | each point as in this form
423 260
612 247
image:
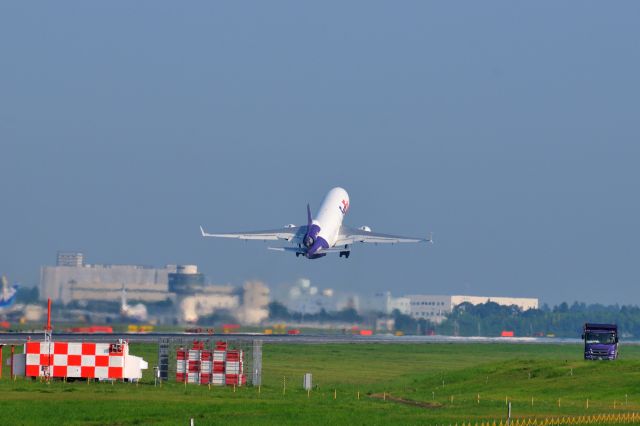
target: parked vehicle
600 341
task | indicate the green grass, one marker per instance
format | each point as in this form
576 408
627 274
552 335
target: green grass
413 372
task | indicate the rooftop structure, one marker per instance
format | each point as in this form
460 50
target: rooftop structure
68 258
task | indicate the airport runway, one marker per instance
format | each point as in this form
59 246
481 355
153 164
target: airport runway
19 338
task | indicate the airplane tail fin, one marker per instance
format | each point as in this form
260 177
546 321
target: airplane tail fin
309 218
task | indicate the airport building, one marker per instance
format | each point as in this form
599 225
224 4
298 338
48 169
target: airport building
186 280
384 302
70 281
435 308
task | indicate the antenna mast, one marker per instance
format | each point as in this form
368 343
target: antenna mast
47 330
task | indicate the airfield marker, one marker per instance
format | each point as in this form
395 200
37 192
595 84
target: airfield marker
384 396
478 398
259 386
433 395
587 403
532 401
614 404
308 393
11 375
358 395
558 402
284 385
335 394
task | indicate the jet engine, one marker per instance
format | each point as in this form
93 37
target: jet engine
308 240
365 229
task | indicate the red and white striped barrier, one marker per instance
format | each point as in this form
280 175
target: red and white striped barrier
222 366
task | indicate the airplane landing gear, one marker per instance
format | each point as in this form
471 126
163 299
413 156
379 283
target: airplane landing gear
345 254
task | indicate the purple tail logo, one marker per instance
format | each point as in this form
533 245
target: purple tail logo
344 207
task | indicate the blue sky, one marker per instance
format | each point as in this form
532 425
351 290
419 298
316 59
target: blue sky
509 130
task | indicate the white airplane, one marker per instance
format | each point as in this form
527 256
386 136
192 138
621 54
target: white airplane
324 234
7 294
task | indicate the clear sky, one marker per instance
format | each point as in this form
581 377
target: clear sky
509 129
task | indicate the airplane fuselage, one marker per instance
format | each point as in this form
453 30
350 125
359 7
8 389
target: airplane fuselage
322 232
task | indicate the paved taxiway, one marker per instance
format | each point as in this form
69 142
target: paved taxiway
18 338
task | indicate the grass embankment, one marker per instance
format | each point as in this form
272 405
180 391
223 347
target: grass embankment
428 384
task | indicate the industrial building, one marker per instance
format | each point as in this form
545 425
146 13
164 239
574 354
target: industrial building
435 308
71 280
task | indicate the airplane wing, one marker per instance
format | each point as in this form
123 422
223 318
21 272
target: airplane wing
360 235
287 233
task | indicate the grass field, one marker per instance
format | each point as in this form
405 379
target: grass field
422 384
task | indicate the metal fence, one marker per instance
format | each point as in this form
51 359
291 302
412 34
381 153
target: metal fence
612 418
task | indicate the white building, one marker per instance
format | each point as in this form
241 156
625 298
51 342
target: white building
402 304
307 299
385 303
249 306
435 308
104 283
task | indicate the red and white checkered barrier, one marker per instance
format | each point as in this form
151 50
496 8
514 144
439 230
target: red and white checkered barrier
82 360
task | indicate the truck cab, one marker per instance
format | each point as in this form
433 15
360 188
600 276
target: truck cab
600 341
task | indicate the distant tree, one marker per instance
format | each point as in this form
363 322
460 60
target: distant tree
347 315
278 311
403 322
27 295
